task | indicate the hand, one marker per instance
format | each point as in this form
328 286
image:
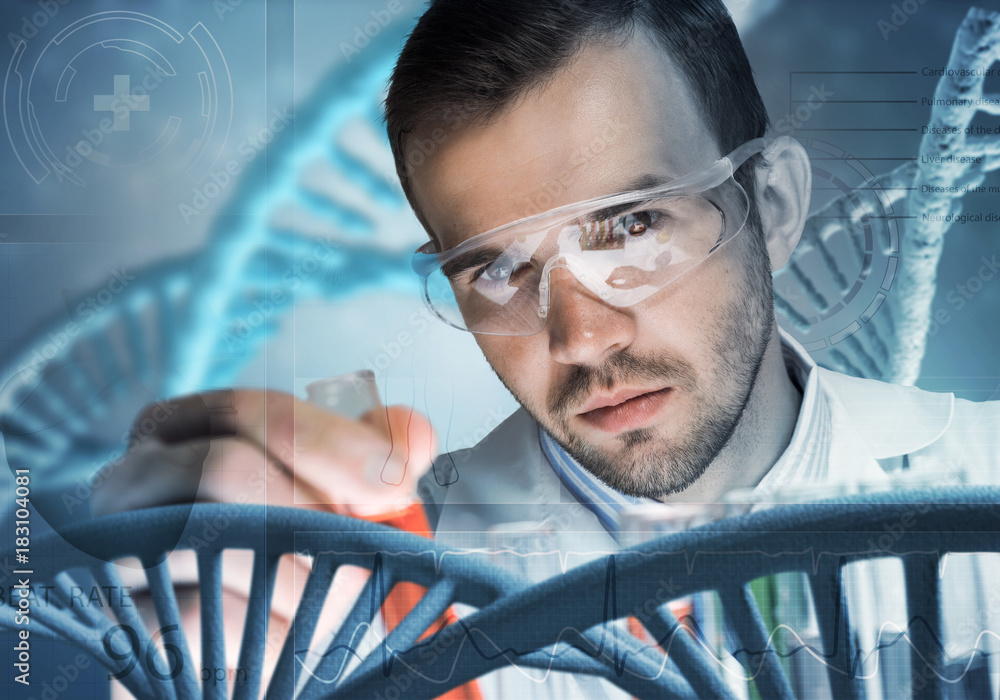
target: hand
251 446
259 446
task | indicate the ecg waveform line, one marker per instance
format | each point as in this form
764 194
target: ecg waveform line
619 659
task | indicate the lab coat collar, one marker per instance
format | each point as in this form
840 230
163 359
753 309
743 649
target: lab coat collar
872 424
890 419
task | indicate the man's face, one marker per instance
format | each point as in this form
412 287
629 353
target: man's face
643 396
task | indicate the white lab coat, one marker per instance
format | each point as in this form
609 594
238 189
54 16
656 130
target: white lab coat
505 484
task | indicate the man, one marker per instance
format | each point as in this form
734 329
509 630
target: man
685 394
689 392
639 339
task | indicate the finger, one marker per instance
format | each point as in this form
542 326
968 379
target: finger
238 472
204 415
335 460
285 426
150 474
203 470
335 456
274 421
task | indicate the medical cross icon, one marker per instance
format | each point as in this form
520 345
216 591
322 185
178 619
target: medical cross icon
121 103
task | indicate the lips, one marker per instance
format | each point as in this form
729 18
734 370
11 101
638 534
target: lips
629 409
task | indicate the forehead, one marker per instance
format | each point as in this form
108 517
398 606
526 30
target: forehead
614 114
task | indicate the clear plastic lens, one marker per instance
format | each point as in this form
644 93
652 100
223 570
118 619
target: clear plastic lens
623 254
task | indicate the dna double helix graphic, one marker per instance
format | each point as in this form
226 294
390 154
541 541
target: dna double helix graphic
193 322
859 287
326 220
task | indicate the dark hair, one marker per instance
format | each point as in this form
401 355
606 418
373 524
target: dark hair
469 60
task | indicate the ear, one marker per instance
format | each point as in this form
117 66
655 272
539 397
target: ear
783 191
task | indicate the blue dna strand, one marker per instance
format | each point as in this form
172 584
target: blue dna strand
858 290
321 218
324 206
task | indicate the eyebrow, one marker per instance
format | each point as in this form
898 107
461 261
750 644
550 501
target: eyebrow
648 181
612 212
474 258
643 182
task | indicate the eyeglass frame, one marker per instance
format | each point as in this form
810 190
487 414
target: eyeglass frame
425 260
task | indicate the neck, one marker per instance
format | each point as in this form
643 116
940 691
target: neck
760 437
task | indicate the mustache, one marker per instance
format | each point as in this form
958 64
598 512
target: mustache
622 368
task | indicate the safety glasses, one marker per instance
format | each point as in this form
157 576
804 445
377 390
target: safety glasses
623 248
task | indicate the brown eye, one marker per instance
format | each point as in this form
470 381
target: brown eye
637 223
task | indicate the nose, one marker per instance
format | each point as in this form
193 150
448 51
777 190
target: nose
583 329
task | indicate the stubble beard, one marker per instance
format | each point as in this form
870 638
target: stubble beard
647 463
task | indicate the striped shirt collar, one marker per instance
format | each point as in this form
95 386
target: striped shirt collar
806 459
